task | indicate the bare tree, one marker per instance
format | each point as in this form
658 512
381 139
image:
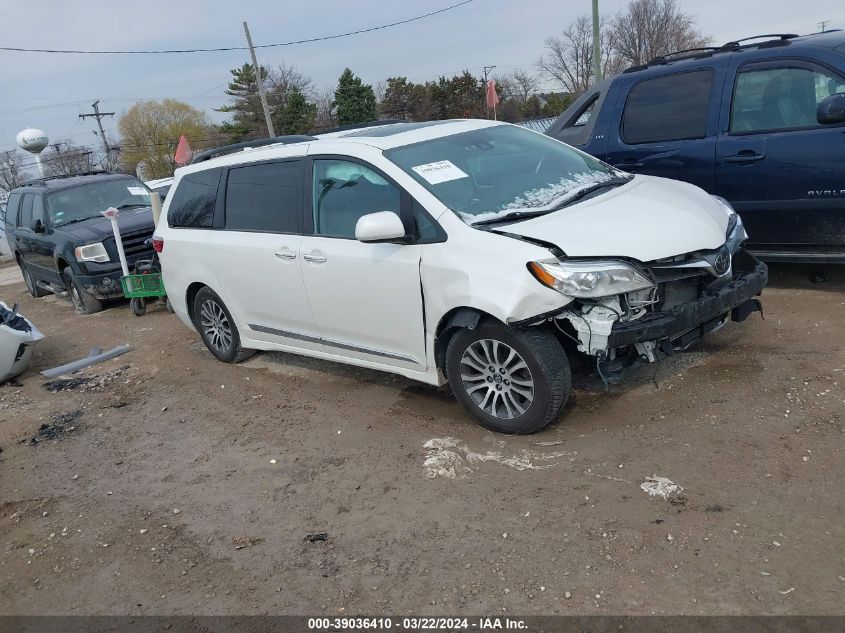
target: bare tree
65 159
325 110
12 171
518 86
651 28
569 58
282 79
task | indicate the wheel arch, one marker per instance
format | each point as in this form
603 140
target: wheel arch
190 295
463 317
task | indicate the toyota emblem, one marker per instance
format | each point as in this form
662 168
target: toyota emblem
722 263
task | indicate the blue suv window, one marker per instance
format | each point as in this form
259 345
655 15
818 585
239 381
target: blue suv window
668 108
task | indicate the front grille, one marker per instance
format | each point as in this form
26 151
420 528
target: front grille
134 243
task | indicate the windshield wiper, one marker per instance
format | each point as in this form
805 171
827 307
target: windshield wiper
586 191
510 217
75 220
132 204
573 198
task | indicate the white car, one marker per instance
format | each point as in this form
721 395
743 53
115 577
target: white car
160 186
471 252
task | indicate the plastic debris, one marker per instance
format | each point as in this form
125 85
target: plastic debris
449 458
657 486
317 536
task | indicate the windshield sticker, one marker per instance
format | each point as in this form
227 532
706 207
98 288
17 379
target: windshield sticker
137 191
441 171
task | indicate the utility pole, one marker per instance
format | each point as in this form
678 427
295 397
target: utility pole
823 24
596 43
96 114
487 70
260 81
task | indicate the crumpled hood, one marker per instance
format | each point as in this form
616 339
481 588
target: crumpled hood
99 228
649 218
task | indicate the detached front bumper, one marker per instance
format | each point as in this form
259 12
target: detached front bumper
687 322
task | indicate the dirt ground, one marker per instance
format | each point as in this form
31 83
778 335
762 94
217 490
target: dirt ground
176 484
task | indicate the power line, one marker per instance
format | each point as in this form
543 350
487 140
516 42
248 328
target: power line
237 48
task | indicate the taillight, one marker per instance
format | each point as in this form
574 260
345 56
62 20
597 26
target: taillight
158 244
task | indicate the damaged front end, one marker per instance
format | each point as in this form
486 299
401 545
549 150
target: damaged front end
658 307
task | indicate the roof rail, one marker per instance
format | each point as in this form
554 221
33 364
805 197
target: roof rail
234 147
38 181
706 51
358 126
735 44
662 59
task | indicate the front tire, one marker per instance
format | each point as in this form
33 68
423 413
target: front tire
83 302
512 381
29 280
217 327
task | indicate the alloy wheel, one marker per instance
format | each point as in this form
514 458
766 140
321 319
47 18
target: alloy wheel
497 378
215 325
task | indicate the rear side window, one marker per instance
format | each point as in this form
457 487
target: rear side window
25 216
668 108
194 200
12 209
265 197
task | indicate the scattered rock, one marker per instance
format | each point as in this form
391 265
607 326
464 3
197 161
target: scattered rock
317 536
246 541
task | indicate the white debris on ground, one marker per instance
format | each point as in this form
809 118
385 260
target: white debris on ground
661 487
447 457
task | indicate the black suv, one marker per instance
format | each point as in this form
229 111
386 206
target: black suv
64 245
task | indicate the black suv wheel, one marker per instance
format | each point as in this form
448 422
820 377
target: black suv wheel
512 381
28 279
83 302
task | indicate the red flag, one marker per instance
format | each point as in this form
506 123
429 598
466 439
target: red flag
183 151
492 96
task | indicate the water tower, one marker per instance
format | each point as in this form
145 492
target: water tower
33 141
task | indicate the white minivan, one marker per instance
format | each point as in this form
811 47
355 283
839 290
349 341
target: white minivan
470 252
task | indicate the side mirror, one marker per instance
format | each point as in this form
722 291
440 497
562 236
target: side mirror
384 226
39 227
832 109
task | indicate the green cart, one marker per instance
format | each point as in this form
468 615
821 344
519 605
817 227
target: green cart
145 283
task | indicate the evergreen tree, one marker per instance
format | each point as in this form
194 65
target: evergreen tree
247 113
354 101
297 115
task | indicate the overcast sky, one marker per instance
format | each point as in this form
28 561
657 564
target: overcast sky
49 91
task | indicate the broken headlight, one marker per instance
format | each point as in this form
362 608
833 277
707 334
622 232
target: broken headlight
589 279
735 233
92 253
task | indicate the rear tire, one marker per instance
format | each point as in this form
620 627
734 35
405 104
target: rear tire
217 327
31 286
83 302
512 381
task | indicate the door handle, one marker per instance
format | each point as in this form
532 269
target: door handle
285 254
316 258
628 164
745 156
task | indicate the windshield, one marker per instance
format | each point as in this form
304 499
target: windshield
89 200
498 170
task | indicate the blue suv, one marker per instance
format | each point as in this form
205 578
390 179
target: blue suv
760 122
